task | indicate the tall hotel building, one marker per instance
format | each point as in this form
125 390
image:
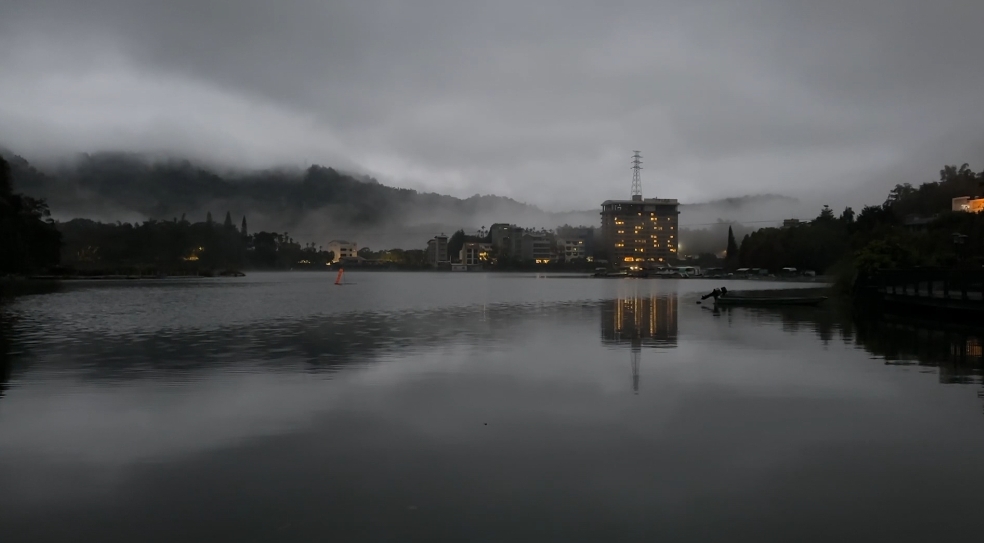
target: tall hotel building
640 232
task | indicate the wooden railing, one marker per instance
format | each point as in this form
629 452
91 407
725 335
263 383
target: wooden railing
933 283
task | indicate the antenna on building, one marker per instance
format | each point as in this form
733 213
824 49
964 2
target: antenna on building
636 178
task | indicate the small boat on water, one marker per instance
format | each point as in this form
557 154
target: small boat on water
605 272
731 300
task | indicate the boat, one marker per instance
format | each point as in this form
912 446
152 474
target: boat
769 300
604 272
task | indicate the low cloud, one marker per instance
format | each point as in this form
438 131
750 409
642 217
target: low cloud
543 103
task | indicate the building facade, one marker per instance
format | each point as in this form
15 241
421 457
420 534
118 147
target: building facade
583 234
968 204
474 253
437 251
343 249
537 248
507 239
640 232
571 249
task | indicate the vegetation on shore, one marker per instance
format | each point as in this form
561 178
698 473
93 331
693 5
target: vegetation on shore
30 239
915 226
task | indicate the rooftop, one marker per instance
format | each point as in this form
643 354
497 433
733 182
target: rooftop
657 201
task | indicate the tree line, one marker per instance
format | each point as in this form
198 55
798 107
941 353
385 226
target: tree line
914 226
30 239
179 245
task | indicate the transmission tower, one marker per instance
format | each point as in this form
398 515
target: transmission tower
636 178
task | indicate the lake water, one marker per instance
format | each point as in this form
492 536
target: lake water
472 407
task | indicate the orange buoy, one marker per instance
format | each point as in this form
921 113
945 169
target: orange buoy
338 280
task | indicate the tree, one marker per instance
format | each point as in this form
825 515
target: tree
365 252
826 214
847 216
455 244
900 193
227 224
208 218
731 254
30 240
6 184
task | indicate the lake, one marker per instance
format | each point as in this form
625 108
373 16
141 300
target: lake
478 407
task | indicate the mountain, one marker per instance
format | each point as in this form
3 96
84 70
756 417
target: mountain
317 204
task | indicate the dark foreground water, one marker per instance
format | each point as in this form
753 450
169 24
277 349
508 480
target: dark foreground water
462 407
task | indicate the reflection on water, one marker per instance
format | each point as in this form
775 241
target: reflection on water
954 349
5 355
638 322
503 417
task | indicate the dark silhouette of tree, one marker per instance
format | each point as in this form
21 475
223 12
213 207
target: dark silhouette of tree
30 241
847 216
731 253
826 214
455 243
243 231
208 218
227 223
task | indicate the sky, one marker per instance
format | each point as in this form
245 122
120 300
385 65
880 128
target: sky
542 101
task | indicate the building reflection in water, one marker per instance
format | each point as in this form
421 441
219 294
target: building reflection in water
637 322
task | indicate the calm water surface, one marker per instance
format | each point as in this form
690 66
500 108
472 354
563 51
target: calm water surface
469 407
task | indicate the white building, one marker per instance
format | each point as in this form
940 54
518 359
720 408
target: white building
474 253
572 249
342 249
437 251
538 248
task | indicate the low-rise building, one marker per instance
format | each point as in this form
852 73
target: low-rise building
968 204
474 253
437 251
584 234
537 248
507 239
342 249
571 249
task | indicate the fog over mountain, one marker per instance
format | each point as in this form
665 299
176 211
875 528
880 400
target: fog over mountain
315 204
542 102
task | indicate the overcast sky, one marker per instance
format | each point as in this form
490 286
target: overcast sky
540 100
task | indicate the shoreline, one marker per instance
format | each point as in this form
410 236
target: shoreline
822 279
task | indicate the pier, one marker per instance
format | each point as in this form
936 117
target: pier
937 290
